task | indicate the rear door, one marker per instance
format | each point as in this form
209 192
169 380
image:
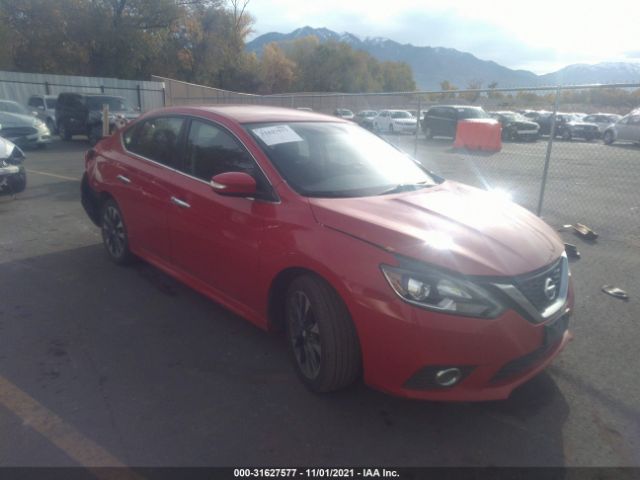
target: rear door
143 177
631 130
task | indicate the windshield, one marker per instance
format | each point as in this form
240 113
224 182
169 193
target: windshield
472 113
336 160
401 115
12 107
51 103
115 103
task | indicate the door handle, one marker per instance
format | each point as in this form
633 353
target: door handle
180 203
123 179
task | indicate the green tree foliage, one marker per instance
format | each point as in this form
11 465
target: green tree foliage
199 41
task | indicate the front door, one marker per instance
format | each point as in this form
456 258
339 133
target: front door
215 238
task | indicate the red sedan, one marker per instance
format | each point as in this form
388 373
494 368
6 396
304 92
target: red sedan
307 223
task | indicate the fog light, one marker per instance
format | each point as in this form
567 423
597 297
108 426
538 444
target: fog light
448 377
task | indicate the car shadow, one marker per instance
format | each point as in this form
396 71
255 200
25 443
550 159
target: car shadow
159 375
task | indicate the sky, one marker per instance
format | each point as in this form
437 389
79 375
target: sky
541 36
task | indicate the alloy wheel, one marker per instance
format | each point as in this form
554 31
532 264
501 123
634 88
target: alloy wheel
304 334
113 232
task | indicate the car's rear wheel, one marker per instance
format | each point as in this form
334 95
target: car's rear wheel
608 137
114 233
322 338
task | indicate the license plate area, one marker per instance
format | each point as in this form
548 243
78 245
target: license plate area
553 332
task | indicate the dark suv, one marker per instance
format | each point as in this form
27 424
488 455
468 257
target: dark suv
443 119
81 114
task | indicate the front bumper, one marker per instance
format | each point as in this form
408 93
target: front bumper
400 342
40 138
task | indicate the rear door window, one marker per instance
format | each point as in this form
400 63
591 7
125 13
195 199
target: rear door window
157 139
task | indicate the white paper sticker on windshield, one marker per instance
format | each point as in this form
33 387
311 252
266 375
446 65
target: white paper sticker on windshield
277 134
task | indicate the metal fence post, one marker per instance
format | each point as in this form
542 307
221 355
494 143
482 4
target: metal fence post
415 145
139 96
552 134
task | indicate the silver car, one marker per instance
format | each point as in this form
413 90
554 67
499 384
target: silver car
627 129
44 106
24 130
603 120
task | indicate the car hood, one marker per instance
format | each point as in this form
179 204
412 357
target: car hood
450 225
15 120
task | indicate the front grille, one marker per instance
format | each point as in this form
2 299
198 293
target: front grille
533 286
12 132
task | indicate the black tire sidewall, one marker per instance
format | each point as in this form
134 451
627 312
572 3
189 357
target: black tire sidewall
328 308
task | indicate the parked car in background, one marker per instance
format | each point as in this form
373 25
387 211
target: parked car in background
516 127
395 121
44 106
307 223
569 126
627 129
344 113
602 120
364 118
24 130
542 118
13 176
81 114
442 120
9 106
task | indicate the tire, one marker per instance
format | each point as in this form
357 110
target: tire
114 233
64 132
608 137
322 338
19 181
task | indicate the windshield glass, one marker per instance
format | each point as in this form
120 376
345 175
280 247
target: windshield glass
472 113
401 115
51 103
115 103
336 160
12 107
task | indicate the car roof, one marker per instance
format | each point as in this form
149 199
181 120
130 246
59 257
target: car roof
253 113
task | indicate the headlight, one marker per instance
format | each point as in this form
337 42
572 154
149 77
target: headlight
442 293
38 123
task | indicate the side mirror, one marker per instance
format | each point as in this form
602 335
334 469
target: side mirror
234 184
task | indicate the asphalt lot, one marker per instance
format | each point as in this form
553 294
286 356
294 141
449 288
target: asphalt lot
102 365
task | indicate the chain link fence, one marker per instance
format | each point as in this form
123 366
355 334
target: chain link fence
581 166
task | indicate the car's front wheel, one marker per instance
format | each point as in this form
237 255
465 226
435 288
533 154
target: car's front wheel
64 131
322 338
114 233
608 137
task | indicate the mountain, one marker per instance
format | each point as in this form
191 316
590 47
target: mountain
431 65
606 72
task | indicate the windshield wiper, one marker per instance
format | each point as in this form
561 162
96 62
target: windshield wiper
405 187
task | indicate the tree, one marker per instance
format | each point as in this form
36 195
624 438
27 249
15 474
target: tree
277 71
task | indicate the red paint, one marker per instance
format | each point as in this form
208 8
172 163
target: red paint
232 248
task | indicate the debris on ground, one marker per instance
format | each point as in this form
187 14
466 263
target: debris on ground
572 250
615 292
584 231
565 227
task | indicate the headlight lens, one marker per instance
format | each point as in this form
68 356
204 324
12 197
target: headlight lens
443 293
